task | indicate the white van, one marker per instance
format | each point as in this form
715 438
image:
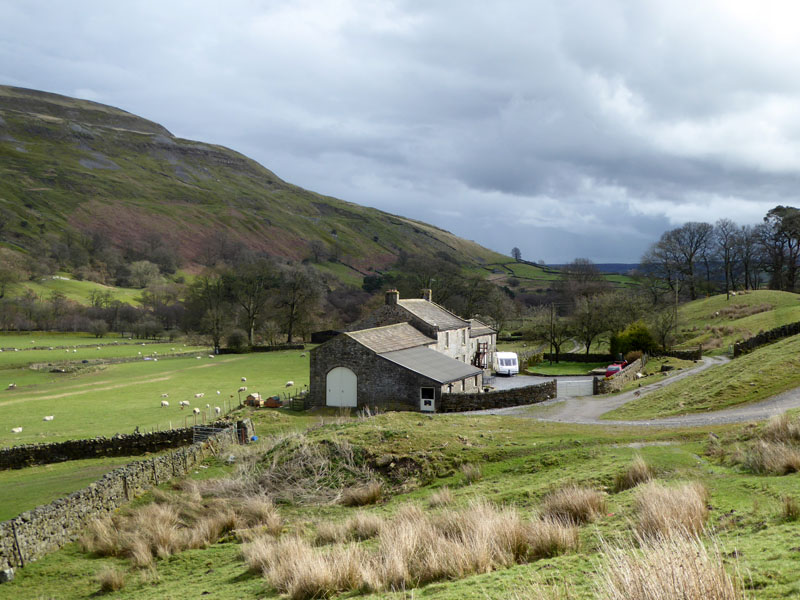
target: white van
506 363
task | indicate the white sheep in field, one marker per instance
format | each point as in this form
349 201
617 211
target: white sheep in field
165 395
208 406
16 430
210 356
199 357
217 410
639 376
196 411
244 378
183 403
242 389
48 418
13 386
164 404
289 383
218 392
139 353
200 395
74 350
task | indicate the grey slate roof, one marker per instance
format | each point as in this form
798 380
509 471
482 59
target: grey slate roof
390 337
432 313
478 328
431 364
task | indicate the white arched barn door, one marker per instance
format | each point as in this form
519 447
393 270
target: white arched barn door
341 387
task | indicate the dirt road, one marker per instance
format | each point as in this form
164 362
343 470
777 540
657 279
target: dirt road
587 410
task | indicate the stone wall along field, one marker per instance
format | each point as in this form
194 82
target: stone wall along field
765 338
615 383
531 394
46 528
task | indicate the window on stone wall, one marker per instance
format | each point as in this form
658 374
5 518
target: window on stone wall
463 336
426 393
476 381
446 339
462 385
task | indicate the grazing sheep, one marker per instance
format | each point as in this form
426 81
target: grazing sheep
98 347
242 389
199 357
183 403
48 418
139 353
12 386
244 378
200 395
303 355
74 350
196 411
164 404
16 430
217 410
289 383
210 356
165 395
639 376
208 406
218 392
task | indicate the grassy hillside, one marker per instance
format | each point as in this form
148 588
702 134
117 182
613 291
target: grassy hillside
515 464
73 167
767 371
717 322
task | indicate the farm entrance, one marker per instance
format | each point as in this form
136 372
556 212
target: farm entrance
571 387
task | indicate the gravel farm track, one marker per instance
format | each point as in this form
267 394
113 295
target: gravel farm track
587 410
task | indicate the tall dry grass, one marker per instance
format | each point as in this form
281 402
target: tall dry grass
782 428
666 511
413 548
637 472
574 503
674 568
441 497
361 526
111 579
471 473
772 458
362 495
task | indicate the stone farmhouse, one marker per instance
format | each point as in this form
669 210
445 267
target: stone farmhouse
403 356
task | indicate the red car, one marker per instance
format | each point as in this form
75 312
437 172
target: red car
615 368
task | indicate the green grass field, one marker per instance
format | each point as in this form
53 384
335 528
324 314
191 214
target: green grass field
9 360
764 372
118 398
520 461
717 322
54 338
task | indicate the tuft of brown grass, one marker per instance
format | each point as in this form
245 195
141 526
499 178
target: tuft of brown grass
771 458
782 428
790 508
361 526
574 503
111 579
363 494
471 473
441 497
675 568
667 511
259 511
413 548
638 472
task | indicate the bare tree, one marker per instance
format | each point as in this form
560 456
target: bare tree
725 241
299 295
547 326
516 254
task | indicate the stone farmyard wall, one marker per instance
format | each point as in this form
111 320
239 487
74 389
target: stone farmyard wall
46 528
604 386
531 394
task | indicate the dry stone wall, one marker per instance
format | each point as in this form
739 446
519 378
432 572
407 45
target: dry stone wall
46 528
531 394
604 386
767 337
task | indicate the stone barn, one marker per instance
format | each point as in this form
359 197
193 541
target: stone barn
402 357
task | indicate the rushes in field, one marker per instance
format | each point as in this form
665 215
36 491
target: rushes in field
111 579
790 508
638 472
574 503
363 494
441 497
665 511
772 458
471 473
673 568
782 428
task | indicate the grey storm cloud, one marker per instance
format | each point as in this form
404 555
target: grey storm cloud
567 128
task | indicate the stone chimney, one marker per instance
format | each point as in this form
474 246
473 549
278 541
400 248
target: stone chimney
392 296
427 294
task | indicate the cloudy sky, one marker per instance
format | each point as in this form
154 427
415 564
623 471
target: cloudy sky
567 128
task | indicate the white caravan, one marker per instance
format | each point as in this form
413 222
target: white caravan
506 363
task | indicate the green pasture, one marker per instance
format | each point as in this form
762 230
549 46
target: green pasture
10 359
520 461
55 338
78 291
764 372
117 398
717 323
